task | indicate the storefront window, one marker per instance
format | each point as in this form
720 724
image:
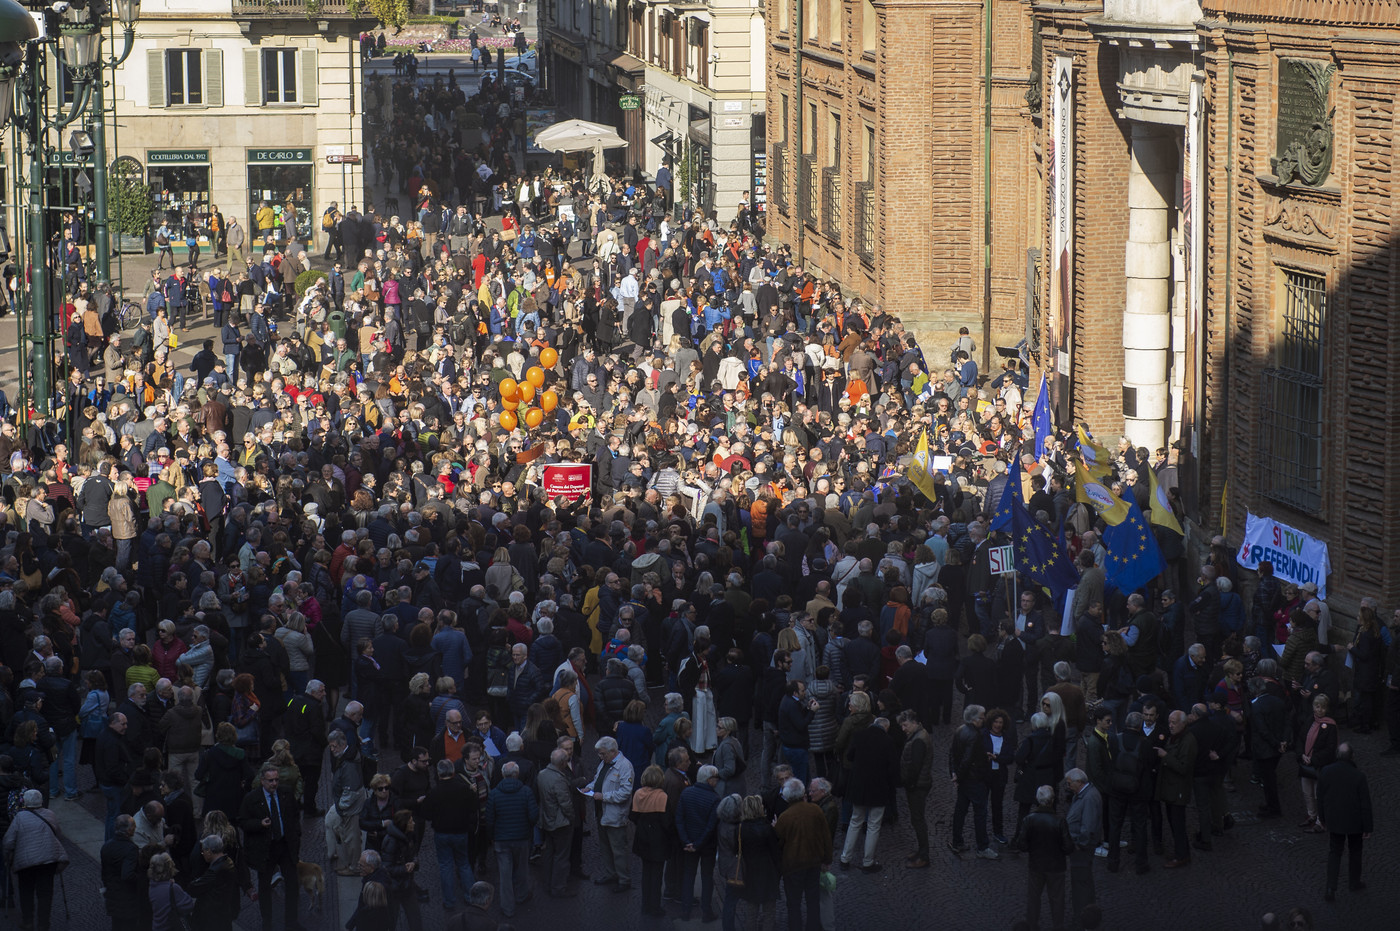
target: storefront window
280 179
179 183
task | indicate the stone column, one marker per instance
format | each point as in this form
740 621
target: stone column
1148 268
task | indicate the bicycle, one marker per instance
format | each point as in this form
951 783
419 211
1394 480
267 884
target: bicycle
129 316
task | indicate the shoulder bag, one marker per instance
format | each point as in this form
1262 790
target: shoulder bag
737 880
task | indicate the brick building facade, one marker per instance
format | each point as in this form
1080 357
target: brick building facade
875 168
1254 323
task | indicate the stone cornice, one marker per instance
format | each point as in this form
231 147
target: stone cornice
1329 13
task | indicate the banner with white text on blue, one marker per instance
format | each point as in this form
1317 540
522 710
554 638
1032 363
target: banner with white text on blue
1295 556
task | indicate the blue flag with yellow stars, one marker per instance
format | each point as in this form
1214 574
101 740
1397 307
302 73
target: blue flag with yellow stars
1010 496
1134 558
1040 555
1041 421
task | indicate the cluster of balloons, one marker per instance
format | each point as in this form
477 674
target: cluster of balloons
518 394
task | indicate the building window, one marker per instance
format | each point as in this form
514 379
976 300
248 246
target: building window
834 26
810 16
868 25
865 200
777 177
1291 424
808 189
784 16
279 75
831 204
184 77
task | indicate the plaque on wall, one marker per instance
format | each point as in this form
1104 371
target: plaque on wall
1303 146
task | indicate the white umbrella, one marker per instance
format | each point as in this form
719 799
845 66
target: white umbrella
580 136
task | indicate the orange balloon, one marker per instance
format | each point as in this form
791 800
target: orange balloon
526 392
508 421
508 386
509 404
549 400
535 376
549 357
534 417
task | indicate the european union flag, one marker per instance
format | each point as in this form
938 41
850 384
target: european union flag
1040 419
1010 497
1040 554
1134 558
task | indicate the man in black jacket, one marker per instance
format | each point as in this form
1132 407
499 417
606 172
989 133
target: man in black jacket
454 809
1344 809
1211 747
138 733
969 768
767 697
615 691
795 713
112 764
272 842
60 710
1268 741
215 891
1128 788
121 872
1045 838
305 724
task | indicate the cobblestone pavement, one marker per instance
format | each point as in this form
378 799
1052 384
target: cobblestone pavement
1258 867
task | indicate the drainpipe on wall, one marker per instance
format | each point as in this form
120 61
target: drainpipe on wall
799 36
987 187
1229 280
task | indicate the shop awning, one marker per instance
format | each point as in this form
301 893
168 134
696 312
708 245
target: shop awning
627 63
699 132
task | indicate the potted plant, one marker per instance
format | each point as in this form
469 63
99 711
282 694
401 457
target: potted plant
129 213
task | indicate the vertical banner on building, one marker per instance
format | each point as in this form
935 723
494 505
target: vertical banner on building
1193 235
1061 233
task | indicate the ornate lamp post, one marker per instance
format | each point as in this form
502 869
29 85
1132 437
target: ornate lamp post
127 12
73 33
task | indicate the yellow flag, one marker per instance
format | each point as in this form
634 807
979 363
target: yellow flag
1089 489
920 470
1095 457
1162 514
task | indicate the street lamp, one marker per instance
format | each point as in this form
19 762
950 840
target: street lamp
81 36
128 11
24 94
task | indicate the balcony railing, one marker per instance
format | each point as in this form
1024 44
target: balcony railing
865 222
808 190
831 203
307 8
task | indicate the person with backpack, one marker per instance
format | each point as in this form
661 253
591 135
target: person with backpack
1129 790
163 236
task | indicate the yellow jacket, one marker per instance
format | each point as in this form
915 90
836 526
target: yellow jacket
265 218
591 607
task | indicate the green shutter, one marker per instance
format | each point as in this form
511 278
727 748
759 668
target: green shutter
310 79
155 77
213 77
252 77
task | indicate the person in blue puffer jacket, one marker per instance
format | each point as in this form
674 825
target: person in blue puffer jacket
511 813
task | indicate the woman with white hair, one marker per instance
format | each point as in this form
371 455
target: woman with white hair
165 895
33 851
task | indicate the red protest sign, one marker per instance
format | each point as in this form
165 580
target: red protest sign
572 480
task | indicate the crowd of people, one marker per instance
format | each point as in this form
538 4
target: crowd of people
320 585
